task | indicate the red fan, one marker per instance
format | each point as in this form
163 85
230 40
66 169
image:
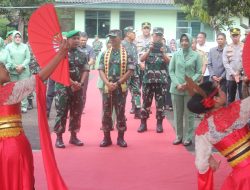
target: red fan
45 37
246 57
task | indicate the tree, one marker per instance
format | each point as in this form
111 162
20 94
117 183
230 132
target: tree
217 13
20 15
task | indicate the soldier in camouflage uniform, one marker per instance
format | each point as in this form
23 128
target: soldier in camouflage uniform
97 46
141 42
69 99
154 80
134 80
116 66
34 69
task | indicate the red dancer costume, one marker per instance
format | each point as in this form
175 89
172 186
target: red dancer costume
13 142
226 130
16 160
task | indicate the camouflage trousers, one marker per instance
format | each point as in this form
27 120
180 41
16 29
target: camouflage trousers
134 88
67 101
116 100
134 85
150 90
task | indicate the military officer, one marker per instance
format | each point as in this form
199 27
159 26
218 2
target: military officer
97 45
34 69
116 66
69 99
154 79
134 81
141 42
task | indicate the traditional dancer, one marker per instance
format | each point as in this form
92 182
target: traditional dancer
224 128
16 160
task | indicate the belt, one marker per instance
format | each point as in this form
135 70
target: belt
240 154
10 132
10 125
12 128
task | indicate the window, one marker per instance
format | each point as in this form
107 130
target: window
127 18
97 23
193 27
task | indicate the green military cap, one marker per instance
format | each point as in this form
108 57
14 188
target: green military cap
235 31
72 33
146 25
115 33
129 29
9 33
158 30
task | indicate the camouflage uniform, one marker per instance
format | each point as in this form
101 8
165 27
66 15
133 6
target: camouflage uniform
154 83
134 81
67 100
33 64
34 69
118 97
97 47
141 43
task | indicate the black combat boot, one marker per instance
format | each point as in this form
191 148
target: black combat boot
143 126
30 104
120 140
106 140
137 113
159 128
59 141
74 140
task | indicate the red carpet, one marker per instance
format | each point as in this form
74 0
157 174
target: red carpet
150 162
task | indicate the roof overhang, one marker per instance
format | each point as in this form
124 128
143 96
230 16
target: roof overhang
128 6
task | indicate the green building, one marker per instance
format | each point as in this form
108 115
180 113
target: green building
97 17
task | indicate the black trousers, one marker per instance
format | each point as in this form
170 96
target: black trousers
50 94
232 88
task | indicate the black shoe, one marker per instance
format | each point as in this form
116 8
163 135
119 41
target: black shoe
142 128
30 104
59 141
187 143
74 140
105 142
30 107
120 140
177 141
159 128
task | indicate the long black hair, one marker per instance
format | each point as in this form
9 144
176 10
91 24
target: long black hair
195 104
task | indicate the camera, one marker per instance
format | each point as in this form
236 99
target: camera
157 47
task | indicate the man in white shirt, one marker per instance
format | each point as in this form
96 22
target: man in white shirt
202 46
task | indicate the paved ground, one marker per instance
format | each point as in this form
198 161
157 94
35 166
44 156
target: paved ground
31 126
